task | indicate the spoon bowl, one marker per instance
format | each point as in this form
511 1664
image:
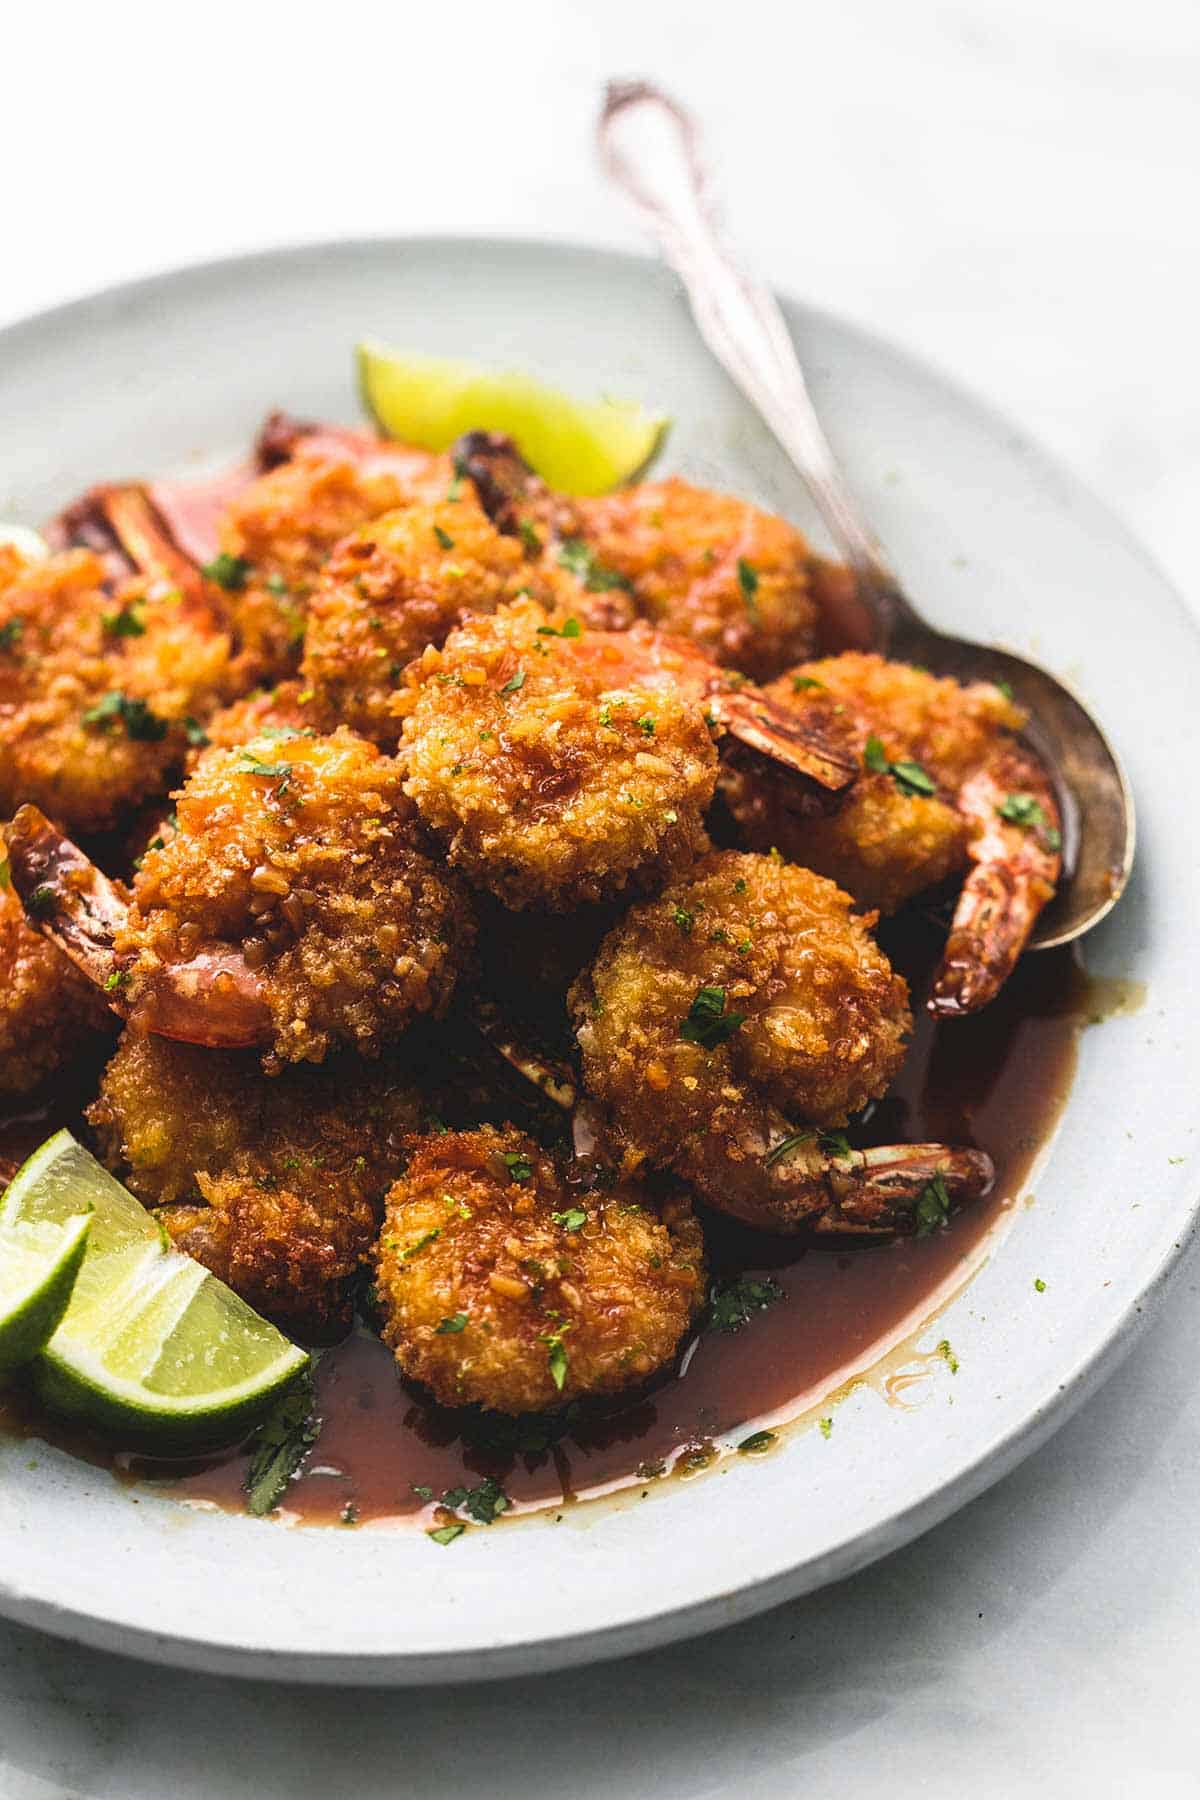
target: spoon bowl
743 326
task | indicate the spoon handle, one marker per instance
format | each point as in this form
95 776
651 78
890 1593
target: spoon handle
740 321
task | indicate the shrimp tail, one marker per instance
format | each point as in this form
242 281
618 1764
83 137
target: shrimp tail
1015 866
213 998
68 899
512 496
122 524
816 773
898 1188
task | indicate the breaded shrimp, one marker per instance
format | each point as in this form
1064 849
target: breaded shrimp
556 765
393 587
292 905
50 1014
747 998
945 785
504 1286
274 1184
100 691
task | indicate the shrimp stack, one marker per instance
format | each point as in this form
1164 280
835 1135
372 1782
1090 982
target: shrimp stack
496 726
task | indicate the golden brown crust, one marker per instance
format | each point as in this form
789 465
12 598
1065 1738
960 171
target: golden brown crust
712 568
50 1014
471 1235
551 766
302 852
886 843
139 662
824 1016
390 589
274 1184
285 524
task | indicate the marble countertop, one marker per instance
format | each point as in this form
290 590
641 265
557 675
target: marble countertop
1007 187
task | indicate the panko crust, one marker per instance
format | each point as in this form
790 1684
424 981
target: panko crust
471 1232
712 568
825 1015
50 1014
138 660
302 851
884 845
287 707
276 1185
393 587
285 524
554 770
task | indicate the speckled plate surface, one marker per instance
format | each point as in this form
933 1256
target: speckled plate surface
992 539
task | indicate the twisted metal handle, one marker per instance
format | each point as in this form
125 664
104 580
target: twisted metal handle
741 323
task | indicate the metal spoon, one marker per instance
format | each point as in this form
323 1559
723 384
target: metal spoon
742 325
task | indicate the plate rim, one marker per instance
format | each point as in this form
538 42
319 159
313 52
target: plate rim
938 1498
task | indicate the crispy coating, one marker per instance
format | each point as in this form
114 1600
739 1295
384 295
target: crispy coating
49 1013
285 524
886 843
302 852
276 1185
391 588
482 1229
140 662
823 1015
287 707
712 568
555 768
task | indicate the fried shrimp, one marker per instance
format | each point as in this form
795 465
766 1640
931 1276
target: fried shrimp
944 786
277 533
557 764
292 905
393 587
746 998
49 1013
504 1286
100 690
276 1185
709 567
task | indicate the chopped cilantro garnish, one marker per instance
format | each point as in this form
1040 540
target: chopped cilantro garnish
574 1219
443 538
452 1325
947 1355
708 1023
10 633
909 776
801 683
646 724
194 732
1005 687
422 1492
274 771
518 1165
115 981
556 1356
792 1142
756 1443
284 1438
748 582
42 902
933 1207
446 1534
5 873
836 1143
580 559
529 537
1040 1285
229 572
732 1303
1028 812
484 1503
127 621
514 683
684 919
412 1249
276 584
570 628
825 1427
140 723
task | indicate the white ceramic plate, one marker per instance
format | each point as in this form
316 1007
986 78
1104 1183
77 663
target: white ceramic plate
992 539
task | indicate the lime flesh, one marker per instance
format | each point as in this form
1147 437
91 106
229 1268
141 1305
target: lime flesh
151 1348
39 1260
576 446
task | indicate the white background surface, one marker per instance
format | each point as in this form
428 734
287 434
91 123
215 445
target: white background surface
1008 186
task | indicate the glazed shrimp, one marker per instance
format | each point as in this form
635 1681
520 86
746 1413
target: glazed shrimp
292 907
730 1026
738 582
945 786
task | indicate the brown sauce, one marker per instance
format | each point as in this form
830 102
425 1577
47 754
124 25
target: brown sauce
997 1081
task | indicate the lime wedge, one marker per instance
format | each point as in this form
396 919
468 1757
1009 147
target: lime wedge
576 446
151 1348
39 1260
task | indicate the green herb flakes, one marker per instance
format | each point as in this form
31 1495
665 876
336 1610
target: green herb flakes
229 572
580 559
933 1206
732 1304
283 1440
708 1023
451 1326
140 723
756 1444
574 1219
